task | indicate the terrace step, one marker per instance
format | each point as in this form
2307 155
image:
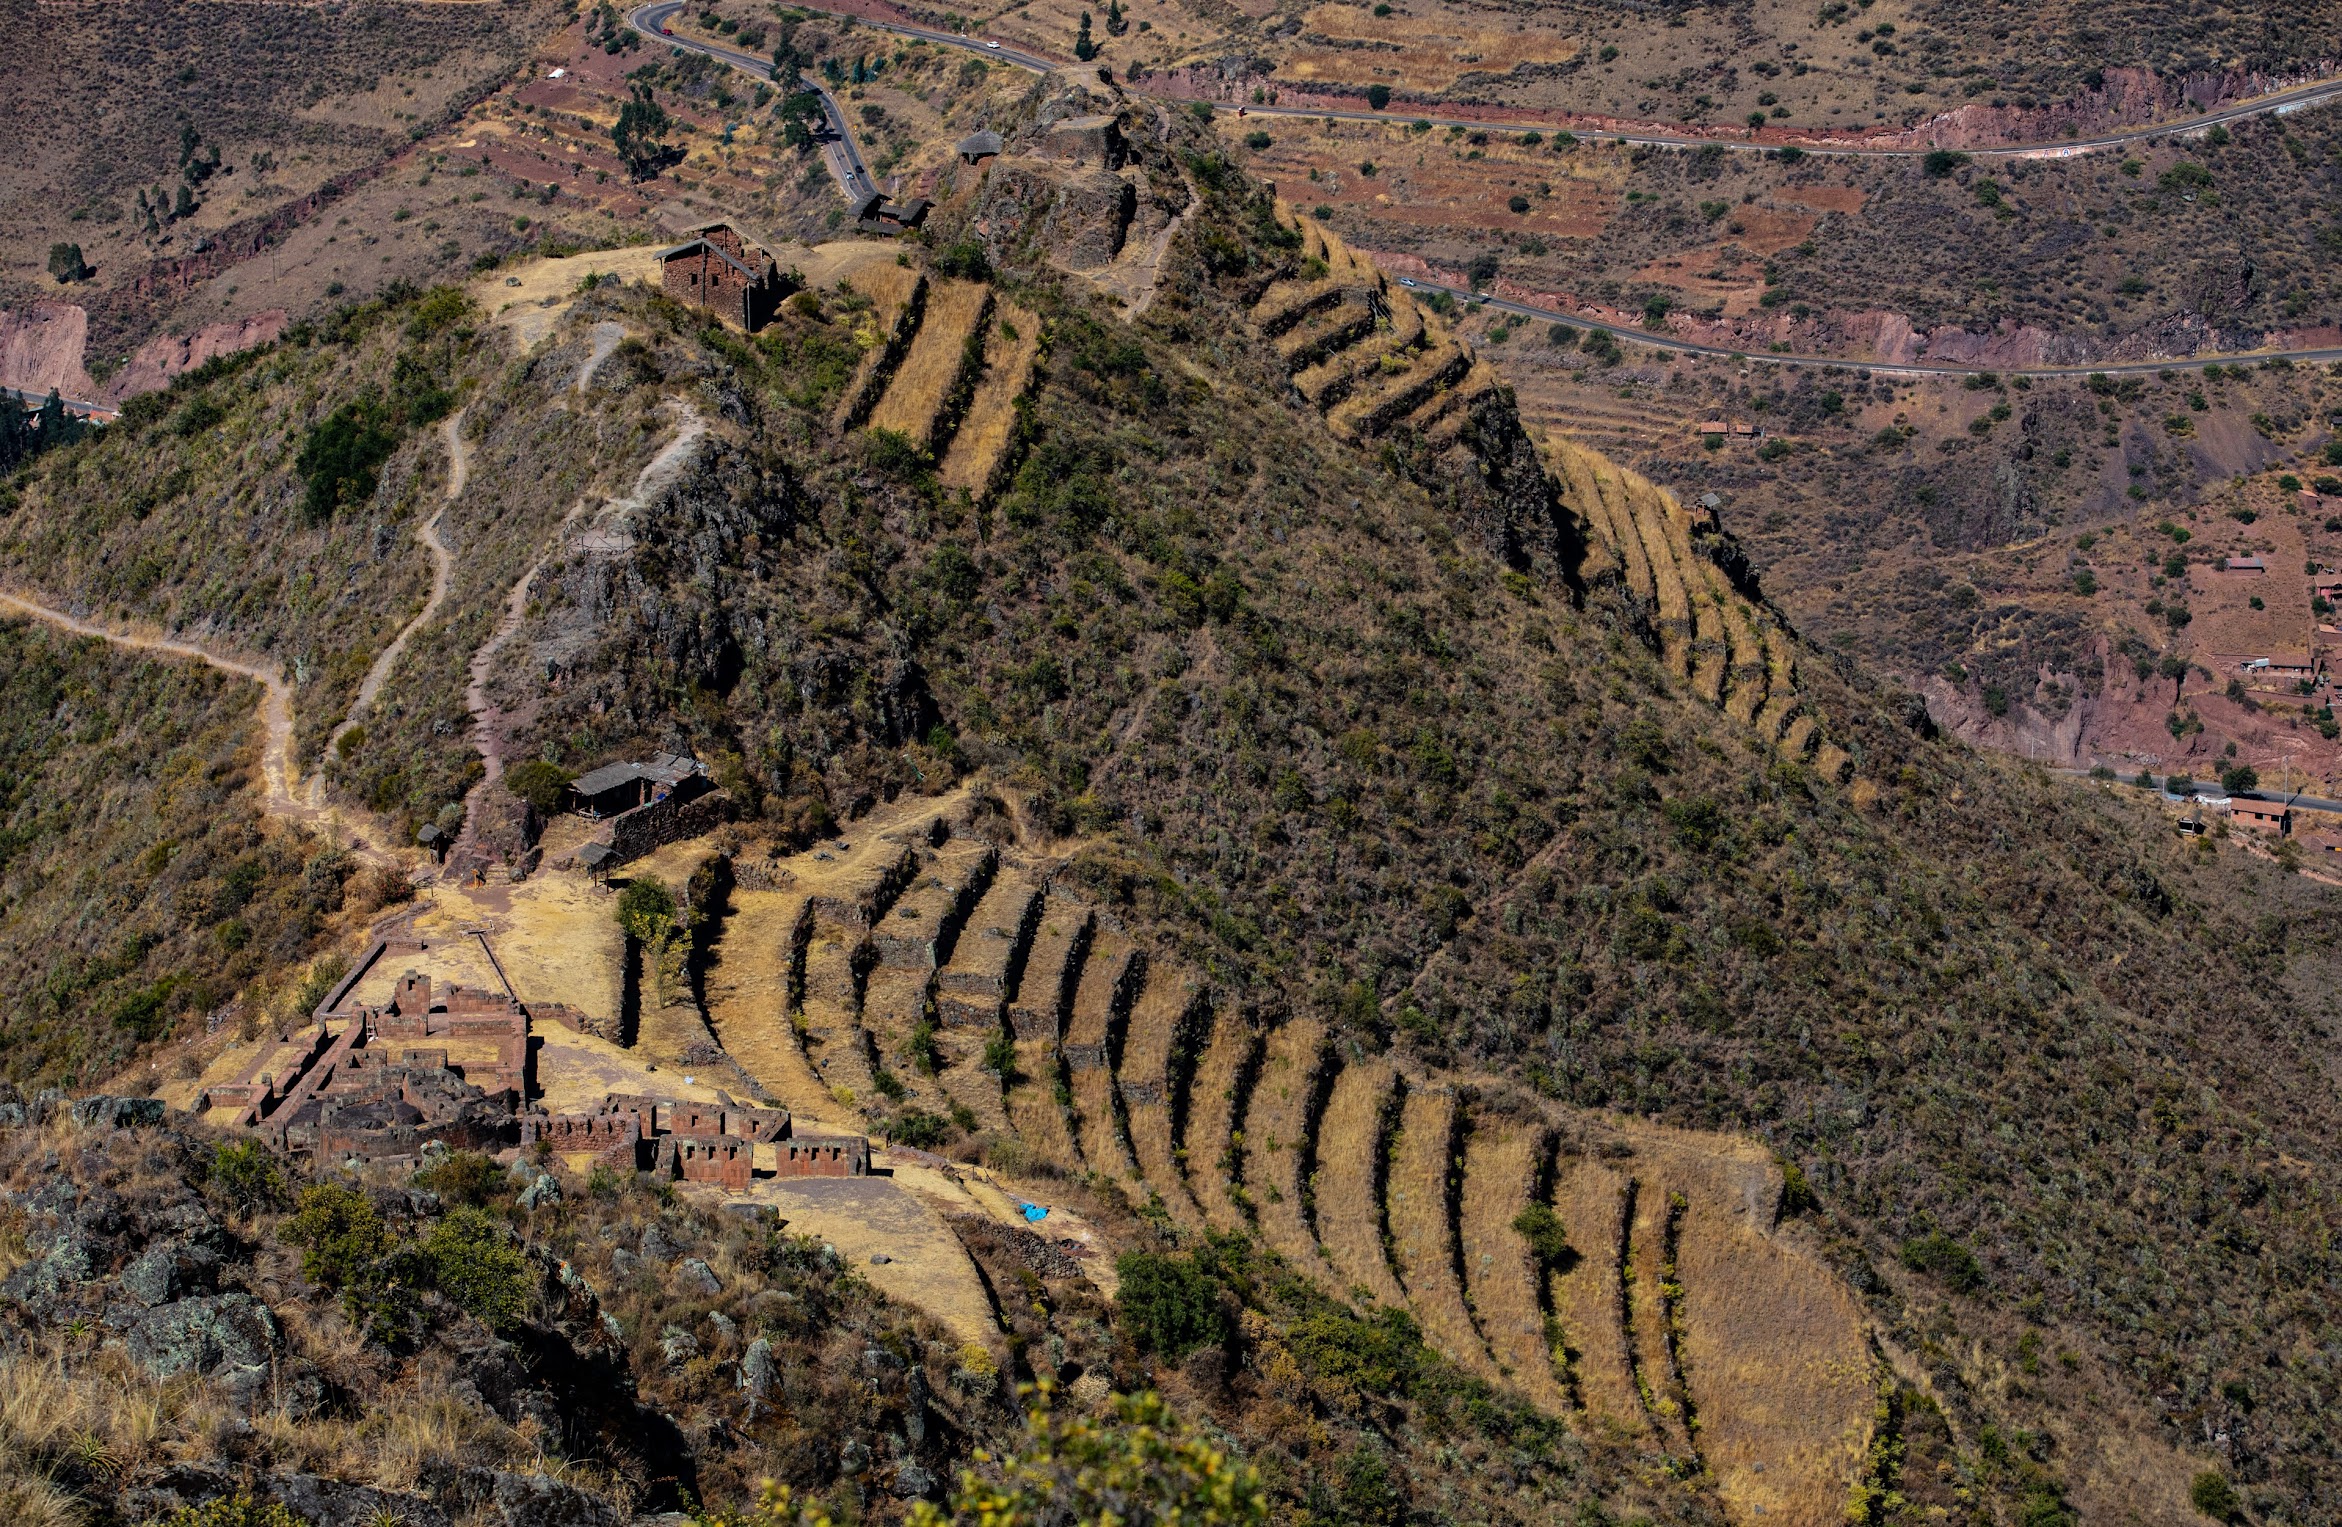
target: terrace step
1153 1049
1504 1167
1590 1197
1277 1139
1348 1195
981 447
936 363
1101 1001
1213 1101
1423 1235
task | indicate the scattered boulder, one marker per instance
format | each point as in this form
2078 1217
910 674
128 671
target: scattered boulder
71 1262
677 1346
658 1246
541 1193
697 1276
532 1500
169 1272
229 1336
118 1113
332 1503
757 1371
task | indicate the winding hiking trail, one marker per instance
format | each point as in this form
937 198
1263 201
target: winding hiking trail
442 571
488 718
281 796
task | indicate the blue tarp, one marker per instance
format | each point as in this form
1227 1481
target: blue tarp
1034 1212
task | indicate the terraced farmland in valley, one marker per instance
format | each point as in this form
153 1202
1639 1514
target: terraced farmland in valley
1377 1179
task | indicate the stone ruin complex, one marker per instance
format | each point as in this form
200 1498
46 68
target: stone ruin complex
452 1066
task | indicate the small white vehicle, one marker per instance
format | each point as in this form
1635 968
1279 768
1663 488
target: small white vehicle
992 45
1406 280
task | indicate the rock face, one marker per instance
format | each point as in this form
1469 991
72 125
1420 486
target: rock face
1080 216
230 1337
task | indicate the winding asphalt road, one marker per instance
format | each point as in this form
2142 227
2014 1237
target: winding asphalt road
2292 98
854 178
837 145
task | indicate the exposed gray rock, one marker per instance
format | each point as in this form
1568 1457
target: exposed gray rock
541 1193
70 1263
228 1335
757 1371
677 1346
725 1326
697 1276
333 1503
531 1500
914 1480
624 1263
658 1246
168 1271
119 1113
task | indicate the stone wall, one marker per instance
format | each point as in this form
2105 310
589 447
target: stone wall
635 833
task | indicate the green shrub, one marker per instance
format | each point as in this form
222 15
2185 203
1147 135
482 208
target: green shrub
1168 1305
543 785
1945 1259
467 1179
1378 96
1548 1241
243 1175
340 1234
342 457
2212 1494
918 1129
231 1511
475 1264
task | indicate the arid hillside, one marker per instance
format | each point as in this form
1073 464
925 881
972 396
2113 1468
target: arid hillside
190 135
1422 821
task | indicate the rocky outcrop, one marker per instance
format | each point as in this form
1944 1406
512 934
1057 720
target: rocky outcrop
1080 217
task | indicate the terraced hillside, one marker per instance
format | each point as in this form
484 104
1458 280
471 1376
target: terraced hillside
1383 1183
944 365
1379 366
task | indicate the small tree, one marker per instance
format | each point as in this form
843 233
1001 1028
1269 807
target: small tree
642 123
2238 778
2174 668
1378 96
66 264
1083 48
475 1265
2212 1494
1116 22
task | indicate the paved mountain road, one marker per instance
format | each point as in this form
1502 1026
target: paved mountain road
838 148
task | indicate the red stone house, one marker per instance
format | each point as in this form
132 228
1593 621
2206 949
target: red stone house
719 270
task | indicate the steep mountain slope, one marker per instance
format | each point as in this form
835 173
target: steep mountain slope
1376 737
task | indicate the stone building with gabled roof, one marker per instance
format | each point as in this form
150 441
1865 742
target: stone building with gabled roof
719 270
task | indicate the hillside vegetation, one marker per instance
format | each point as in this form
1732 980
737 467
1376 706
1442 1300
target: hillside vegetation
1346 722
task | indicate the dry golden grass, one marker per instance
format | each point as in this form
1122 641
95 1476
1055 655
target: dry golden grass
1646 1309
1211 1119
1275 1126
1349 1211
1033 1109
1775 1351
1421 1234
748 998
982 440
1086 1030
831 1028
1589 1197
1503 1161
1146 1084
956 311
1582 472
896 293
